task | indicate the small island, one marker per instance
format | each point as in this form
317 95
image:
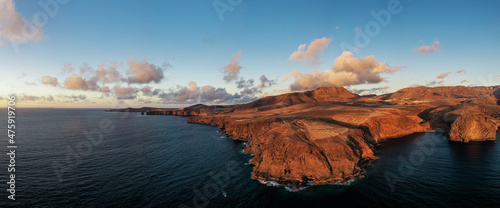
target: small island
327 135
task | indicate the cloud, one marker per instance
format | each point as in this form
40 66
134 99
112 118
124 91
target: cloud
125 93
375 90
140 71
242 83
107 75
90 79
186 94
433 48
27 98
250 91
248 87
147 91
77 82
75 97
105 89
337 27
265 83
14 28
211 94
461 71
145 101
346 71
68 68
464 81
232 70
443 75
311 54
415 85
206 94
434 83
30 83
48 80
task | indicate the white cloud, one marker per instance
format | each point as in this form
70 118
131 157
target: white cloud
140 71
443 75
26 98
75 97
375 90
311 54
107 75
265 82
206 94
14 28
346 71
125 93
434 83
105 89
77 82
48 80
232 70
433 48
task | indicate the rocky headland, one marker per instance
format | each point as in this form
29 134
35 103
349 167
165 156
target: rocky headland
327 135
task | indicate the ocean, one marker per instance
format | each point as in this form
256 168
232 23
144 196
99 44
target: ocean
93 158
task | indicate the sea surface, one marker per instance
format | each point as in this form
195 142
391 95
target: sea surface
92 158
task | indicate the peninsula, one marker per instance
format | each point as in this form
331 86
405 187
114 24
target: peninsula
327 135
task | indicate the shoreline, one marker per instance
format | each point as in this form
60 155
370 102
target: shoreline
329 135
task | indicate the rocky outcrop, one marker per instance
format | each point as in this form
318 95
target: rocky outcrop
392 126
473 127
299 151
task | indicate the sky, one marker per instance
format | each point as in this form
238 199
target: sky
174 53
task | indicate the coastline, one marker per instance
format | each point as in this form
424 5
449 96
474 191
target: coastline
328 135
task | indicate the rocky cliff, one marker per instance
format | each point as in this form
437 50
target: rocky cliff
327 135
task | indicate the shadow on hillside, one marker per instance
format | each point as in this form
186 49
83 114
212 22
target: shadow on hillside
496 93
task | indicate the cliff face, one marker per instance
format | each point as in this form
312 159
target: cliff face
465 122
318 143
473 127
393 126
299 151
327 135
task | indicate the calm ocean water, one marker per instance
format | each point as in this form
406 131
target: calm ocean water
162 161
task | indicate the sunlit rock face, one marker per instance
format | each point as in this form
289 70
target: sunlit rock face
328 135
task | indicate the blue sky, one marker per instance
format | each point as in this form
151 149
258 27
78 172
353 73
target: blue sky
198 44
